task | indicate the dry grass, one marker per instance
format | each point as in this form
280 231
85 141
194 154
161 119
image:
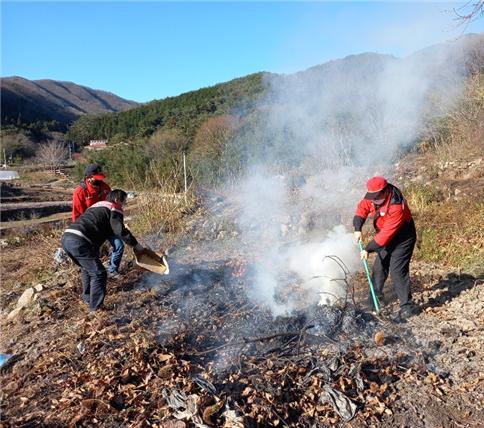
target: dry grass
27 260
162 213
449 228
420 196
451 234
459 135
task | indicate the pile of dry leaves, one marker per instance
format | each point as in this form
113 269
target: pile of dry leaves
153 360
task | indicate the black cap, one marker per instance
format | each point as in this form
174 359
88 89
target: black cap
92 169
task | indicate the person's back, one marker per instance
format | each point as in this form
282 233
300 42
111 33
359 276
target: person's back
101 221
92 190
82 240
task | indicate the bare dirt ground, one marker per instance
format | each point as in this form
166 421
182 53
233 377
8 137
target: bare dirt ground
191 349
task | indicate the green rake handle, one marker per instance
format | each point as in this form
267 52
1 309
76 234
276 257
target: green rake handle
372 290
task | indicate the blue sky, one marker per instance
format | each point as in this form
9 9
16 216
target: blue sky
150 50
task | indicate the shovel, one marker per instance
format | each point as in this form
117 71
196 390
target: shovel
153 262
370 282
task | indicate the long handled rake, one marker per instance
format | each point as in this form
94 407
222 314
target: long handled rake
370 282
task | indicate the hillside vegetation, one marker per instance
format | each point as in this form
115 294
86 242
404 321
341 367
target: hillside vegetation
147 142
446 190
184 113
27 101
226 127
36 111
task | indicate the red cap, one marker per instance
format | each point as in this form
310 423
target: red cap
374 186
99 176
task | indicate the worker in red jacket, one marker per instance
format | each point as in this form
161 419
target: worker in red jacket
91 190
393 242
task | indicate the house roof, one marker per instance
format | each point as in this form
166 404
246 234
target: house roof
8 175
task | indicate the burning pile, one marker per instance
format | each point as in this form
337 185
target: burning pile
229 362
195 351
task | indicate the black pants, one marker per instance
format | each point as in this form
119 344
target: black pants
93 273
394 259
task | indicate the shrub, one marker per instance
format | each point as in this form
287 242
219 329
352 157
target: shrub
450 233
207 159
162 213
420 196
144 164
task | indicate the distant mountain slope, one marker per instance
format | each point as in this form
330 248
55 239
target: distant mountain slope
355 73
28 101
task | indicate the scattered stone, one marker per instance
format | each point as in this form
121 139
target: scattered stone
13 314
81 347
38 287
26 298
467 325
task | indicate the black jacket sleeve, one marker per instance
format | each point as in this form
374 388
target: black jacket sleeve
117 224
358 223
373 246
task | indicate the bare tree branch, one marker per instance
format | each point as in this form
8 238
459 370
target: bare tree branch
52 154
470 11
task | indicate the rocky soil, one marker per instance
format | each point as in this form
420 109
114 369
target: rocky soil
194 349
191 349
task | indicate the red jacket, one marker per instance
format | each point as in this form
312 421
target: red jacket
387 218
87 195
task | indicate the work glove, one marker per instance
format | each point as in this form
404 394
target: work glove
364 255
357 236
139 250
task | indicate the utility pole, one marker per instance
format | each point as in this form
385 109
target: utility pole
4 159
185 173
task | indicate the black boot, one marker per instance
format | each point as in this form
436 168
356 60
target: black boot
406 311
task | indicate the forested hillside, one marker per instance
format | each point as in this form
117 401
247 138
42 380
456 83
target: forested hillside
324 115
185 112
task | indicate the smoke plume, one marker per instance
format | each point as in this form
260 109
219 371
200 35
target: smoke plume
313 141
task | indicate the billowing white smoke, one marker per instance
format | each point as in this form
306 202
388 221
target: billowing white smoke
328 129
317 263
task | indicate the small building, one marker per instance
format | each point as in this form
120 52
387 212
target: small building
97 144
8 175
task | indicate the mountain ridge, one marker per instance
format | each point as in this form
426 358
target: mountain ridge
26 101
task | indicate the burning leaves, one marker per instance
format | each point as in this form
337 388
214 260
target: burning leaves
114 370
206 356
